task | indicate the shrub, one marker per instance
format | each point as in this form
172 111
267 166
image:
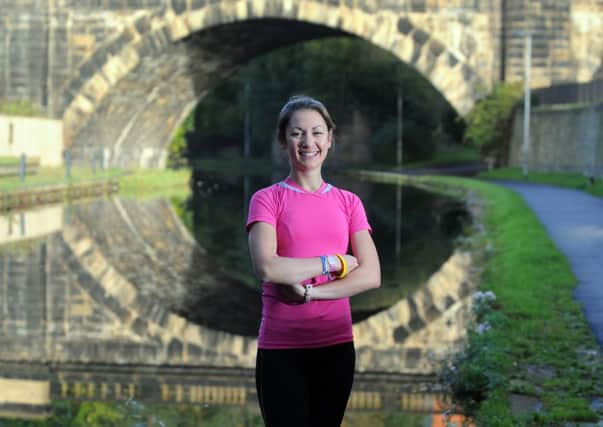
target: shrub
177 150
489 123
20 108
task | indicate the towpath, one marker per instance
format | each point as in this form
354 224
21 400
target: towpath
574 221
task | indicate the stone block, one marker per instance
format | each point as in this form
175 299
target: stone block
385 29
196 20
96 88
400 334
256 8
403 48
274 8
290 8
179 6
142 24
177 29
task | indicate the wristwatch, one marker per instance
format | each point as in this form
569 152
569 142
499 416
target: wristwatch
308 292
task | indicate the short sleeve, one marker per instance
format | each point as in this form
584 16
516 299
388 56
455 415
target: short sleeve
358 219
262 207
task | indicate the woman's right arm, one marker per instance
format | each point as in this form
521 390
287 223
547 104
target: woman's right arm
271 268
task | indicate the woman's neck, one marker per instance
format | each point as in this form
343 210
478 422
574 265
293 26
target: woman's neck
308 181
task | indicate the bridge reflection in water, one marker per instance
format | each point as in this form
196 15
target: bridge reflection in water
116 300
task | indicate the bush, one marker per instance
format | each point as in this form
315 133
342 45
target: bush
489 123
177 150
478 370
20 108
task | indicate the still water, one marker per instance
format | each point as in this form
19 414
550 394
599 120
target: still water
140 312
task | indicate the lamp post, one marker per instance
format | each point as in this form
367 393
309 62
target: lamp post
525 149
399 158
247 129
399 142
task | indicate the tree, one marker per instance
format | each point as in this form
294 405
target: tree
489 122
353 77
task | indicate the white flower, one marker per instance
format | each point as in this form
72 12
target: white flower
482 327
484 296
489 296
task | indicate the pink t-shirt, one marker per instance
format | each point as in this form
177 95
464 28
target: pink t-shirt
307 225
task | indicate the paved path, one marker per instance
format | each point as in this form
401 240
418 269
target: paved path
574 220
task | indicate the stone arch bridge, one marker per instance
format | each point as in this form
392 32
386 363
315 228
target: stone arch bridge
122 74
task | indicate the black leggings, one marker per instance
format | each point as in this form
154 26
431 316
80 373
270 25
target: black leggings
305 387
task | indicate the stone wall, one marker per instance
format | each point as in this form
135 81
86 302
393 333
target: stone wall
562 138
567 40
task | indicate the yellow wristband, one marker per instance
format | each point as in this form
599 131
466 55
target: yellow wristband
344 267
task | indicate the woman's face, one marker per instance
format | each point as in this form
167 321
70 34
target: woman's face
308 140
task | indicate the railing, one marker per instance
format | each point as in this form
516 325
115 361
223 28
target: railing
571 93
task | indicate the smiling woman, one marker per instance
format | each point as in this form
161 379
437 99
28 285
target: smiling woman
299 233
306 133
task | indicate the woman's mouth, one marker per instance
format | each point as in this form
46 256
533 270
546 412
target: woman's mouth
308 153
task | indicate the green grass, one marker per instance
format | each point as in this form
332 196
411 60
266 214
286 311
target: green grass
137 183
56 176
561 179
456 155
6 160
536 321
20 108
154 183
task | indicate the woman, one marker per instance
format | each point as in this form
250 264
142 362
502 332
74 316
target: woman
299 233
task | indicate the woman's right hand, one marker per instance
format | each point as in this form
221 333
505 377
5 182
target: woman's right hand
292 293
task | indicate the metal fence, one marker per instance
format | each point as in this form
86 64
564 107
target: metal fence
571 93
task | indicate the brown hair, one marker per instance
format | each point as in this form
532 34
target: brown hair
300 102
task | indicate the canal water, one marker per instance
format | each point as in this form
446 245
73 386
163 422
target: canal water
145 311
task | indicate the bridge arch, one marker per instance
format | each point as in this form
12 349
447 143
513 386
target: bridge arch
131 94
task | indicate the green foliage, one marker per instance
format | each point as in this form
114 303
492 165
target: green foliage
541 323
153 182
489 122
365 87
177 150
97 414
132 413
478 370
20 108
7 160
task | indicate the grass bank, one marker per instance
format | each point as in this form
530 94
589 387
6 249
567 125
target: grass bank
22 108
569 180
135 182
531 347
8 160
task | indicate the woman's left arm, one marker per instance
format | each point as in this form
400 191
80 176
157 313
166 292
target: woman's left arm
366 276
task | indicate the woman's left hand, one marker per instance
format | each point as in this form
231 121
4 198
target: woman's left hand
292 293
